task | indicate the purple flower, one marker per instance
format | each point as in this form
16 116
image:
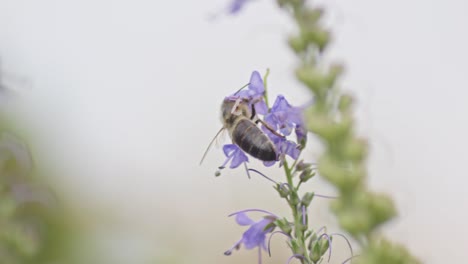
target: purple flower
235 155
254 94
236 5
284 147
285 117
255 235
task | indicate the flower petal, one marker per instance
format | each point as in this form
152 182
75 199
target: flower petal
290 148
261 107
238 159
256 83
255 235
248 94
243 220
228 149
269 163
301 134
286 129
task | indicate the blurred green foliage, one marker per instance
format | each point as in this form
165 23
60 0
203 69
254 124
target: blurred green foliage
343 163
32 227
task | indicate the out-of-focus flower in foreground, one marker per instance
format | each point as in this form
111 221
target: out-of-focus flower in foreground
255 236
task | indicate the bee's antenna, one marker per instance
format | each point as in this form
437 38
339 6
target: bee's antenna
241 88
209 146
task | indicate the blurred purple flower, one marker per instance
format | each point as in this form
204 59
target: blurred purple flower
253 94
255 236
235 155
236 5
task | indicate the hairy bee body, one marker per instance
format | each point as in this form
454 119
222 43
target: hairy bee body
237 119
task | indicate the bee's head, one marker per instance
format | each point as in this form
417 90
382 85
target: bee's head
232 108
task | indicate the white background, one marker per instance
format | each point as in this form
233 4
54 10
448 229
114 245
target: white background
120 98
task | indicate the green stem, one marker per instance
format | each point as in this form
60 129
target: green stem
293 203
265 95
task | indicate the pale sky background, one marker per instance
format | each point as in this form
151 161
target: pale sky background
120 98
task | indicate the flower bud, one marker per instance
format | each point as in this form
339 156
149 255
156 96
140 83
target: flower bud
301 165
346 179
381 208
307 198
297 43
324 245
315 252
355 149
307 175
312 239
294 199
355 221
295 247
284 225
310 17
345 102
383 251
316 35
283 190
334 73
308 233
324 126
314 79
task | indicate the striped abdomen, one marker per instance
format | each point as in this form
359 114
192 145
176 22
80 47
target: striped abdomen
253 141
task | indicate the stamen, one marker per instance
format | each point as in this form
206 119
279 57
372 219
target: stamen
269 239
259 255
326 196
329 244
347 241
321 229
228 158
266 177
349 259
253 210
247 169
235 246
295 256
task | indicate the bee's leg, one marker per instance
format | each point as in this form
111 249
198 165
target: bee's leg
254 113
255 118
265 124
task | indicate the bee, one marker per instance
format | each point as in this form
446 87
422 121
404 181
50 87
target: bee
240 120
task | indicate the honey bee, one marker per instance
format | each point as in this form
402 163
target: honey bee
240 120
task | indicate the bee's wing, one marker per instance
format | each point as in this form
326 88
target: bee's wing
211 143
